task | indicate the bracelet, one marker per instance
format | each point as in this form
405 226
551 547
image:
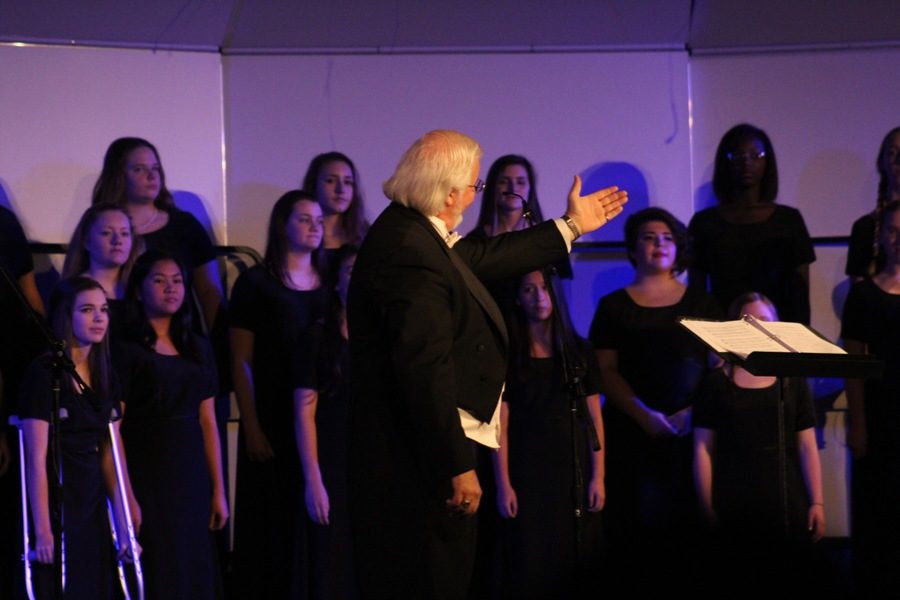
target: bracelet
572 226
817 504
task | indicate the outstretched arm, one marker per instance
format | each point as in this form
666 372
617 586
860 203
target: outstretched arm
592 211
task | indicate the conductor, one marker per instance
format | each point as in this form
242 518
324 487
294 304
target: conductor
429 347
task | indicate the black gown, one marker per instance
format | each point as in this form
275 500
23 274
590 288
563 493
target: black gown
169 472
872 316
755 257
16 259
185 238
651 511
269 496
746 481
538 547
89 556
323 364
504 291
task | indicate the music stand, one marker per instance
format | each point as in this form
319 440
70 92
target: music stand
794 364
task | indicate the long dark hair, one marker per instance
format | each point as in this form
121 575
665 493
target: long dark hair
77 258
887 209
332 343
353 220
111 185
62 304
487 213
723 184
179 328
275 258
564 336
883 197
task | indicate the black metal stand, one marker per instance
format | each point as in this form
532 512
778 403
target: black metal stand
796 364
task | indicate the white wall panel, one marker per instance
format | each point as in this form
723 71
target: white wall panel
567 112
61 107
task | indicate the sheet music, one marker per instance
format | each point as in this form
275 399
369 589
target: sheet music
742 338
736 337
802 338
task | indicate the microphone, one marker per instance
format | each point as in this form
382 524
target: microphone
526 213
516 195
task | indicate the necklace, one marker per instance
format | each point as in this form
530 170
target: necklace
142 227
309 281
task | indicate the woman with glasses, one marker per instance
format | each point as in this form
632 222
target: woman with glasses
748 242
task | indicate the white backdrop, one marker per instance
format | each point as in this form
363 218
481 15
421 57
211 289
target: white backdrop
647 120
61 107
567 112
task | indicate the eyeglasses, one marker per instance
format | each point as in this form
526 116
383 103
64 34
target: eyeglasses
745 156
478 185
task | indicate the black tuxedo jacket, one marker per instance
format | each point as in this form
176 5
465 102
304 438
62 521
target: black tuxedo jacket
426 338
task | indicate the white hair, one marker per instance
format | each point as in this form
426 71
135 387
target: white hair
437 163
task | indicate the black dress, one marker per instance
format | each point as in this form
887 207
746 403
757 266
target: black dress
538 546
746 482
16 259
119 318
651 511
755 257
89 556
269 497
169 472
323 364
185 238
872 316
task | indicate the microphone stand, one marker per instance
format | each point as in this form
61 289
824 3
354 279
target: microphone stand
573 377
59 363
